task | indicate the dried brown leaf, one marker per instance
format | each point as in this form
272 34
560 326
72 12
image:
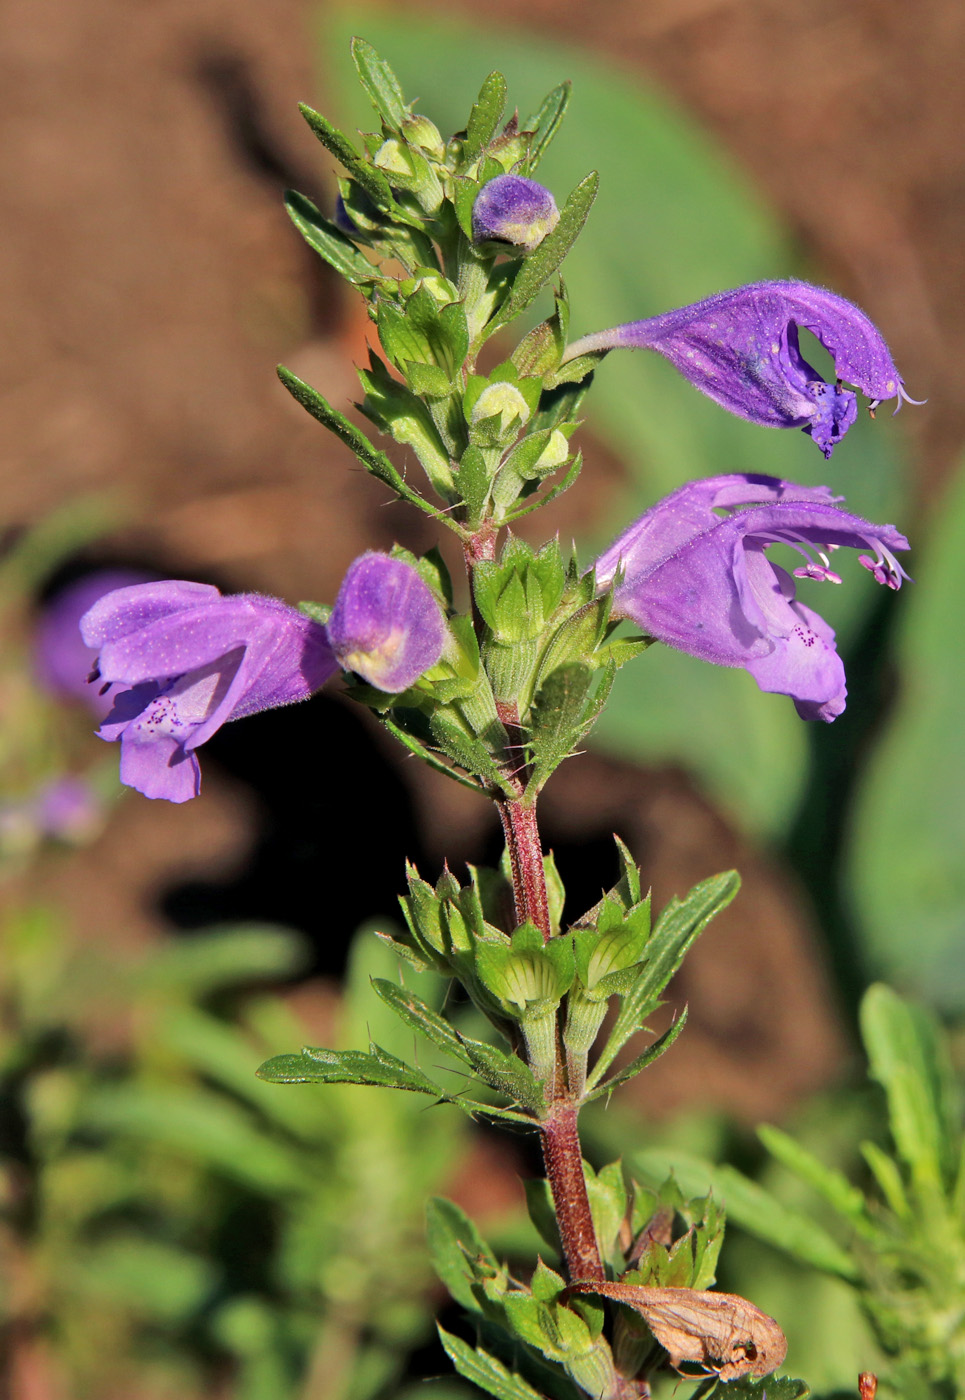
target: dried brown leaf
720 1331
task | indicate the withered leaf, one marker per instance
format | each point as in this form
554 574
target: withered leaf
721 1331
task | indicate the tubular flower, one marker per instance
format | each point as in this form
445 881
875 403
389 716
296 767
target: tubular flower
741 349
188 660
512 209
191 660
386 625
693 572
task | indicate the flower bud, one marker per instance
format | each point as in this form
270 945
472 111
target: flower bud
511 209
502 399
418 130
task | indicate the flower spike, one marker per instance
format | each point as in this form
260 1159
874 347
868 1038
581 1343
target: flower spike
741 349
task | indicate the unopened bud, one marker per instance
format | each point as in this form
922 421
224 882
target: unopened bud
514 210
504 399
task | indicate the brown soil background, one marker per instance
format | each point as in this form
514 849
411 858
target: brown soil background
150 282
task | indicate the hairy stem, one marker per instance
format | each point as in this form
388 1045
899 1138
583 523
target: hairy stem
564 1171
526 863
562 1154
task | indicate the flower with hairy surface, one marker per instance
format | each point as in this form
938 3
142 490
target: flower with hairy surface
386 626
693 572
511 209
190 659
741 348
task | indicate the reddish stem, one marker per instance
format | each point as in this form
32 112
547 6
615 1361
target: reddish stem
526 863
561 1140
564 1171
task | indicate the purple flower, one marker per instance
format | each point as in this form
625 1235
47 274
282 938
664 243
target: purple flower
194 660
693 572
62 662
511 209
386 625
741 349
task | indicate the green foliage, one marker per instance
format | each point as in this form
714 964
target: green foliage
123 1192
908 832
903 1241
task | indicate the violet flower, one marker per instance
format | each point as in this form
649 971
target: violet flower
191 659
741 349
61 660
700 580
512 209
386 626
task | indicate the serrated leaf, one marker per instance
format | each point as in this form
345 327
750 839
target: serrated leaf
416 747
484 117
415 1013
546 122
536 270
636 1066
677 928
484 1370
453 1240
753 1208
371 458
533 1323
328 241
380 83
317 1065
372 181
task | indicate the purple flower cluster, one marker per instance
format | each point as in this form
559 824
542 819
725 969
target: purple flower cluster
189 659
742 349
694 573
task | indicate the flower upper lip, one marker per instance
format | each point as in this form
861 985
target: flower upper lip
693 572
741 348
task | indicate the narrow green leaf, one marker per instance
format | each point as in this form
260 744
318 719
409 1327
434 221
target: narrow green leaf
484 117
380 83
546 122
536 270
888 1177
476 1365
909 1060
453 1240
320 1066
371 458
433 760
329 242
829 1183
372 181
677 928
768 1388
499 1069
635 1067
415 1013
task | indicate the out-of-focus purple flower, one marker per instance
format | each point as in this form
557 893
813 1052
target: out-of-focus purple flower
68 809
512 209
65 808
693 572
741 349
386 625
62 661
193 660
